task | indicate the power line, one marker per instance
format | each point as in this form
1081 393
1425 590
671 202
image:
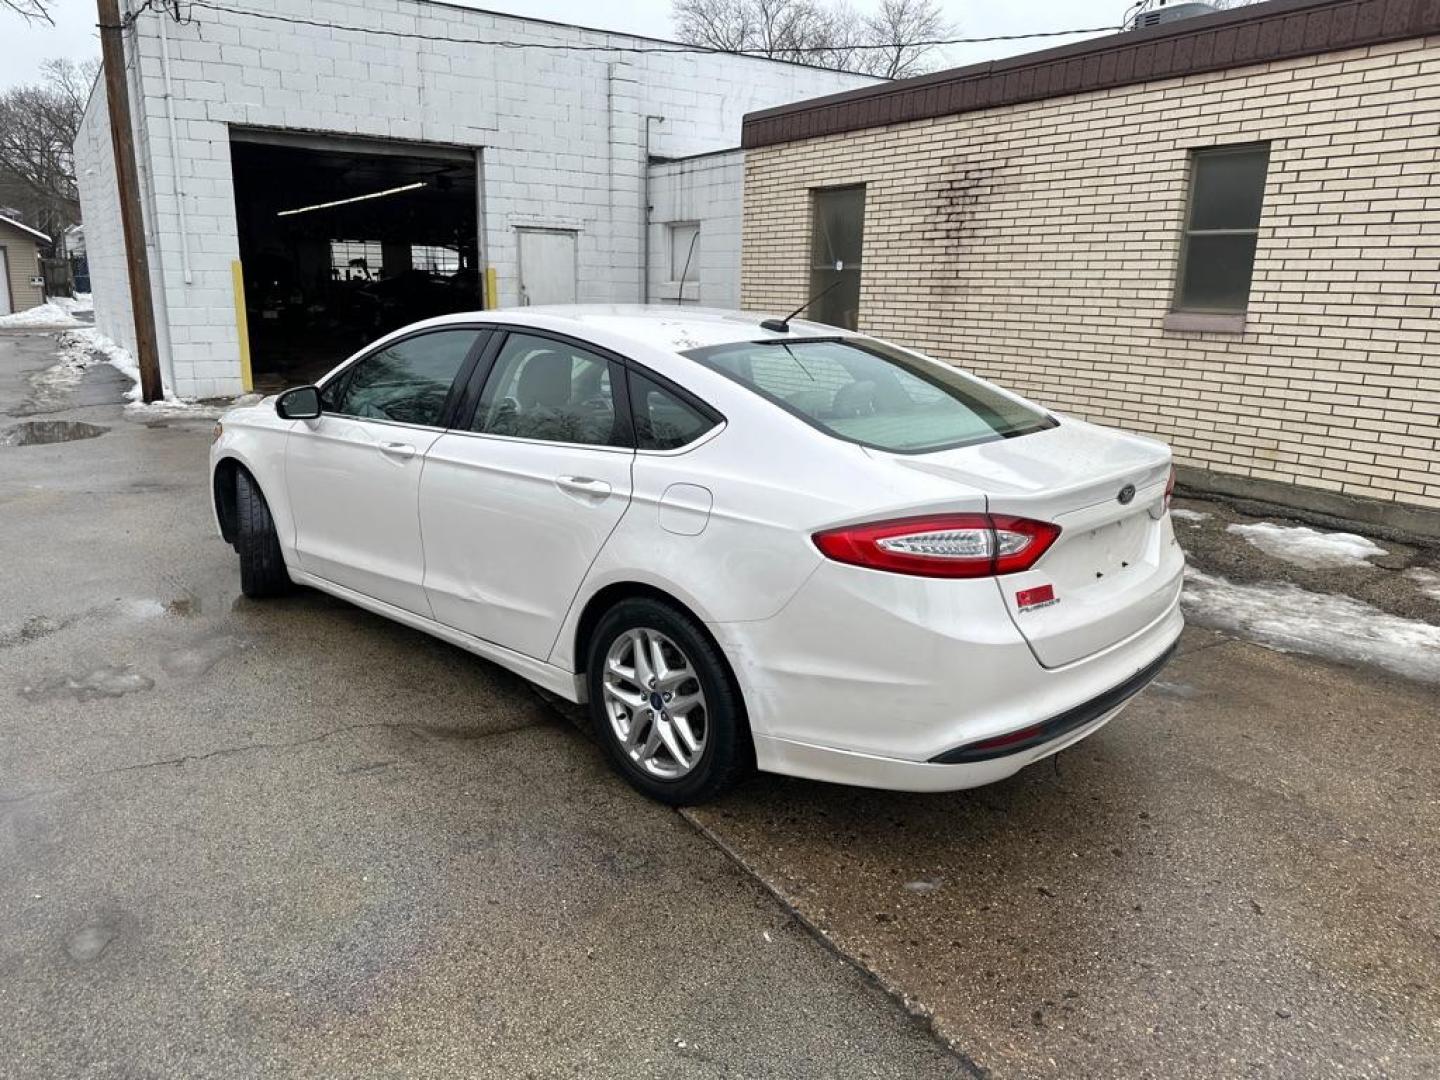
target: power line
677 47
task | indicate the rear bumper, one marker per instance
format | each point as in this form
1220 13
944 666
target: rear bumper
1057 727
867 679
893 774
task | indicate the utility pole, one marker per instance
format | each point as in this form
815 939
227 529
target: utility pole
117 91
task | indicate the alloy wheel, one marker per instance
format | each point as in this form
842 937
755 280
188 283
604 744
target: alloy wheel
655 703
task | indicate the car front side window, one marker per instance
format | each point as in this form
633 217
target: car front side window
407 382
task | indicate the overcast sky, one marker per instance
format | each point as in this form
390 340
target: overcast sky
22 47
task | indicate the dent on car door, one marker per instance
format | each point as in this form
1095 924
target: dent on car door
515 506
354 473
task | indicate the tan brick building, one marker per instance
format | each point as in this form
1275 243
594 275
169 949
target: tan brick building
1079 225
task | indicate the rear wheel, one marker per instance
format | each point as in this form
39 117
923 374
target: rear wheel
664 705
262 566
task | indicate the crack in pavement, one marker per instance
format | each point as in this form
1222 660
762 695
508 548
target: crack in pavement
228 751
1205 646
916 1010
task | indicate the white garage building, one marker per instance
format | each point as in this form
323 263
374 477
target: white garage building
314 172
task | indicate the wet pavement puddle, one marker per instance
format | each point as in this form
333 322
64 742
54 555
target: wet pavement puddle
104 681
43 432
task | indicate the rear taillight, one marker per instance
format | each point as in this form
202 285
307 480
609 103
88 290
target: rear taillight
1170 488
951 546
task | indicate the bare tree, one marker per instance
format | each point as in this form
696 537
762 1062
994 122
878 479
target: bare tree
888 42
30 10
901 28
38 125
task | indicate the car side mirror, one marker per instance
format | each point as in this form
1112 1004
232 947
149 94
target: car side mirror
301 403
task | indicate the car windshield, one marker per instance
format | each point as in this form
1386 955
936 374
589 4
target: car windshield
874 394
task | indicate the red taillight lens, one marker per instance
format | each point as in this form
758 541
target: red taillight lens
951 546
1170 487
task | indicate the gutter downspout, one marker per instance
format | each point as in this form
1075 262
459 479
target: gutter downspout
145 175
645 213
174 152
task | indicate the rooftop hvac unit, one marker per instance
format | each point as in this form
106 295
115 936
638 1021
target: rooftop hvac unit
1168 13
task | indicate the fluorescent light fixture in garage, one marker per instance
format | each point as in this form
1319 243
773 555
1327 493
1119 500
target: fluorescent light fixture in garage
352 199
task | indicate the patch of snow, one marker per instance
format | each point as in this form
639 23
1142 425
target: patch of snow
1194 517
86 346
184 408
48 316
1292 619
81 348
1302 546
82 303
1428 580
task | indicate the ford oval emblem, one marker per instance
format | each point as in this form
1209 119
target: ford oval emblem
1126 494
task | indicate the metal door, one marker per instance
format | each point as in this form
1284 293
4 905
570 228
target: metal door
547 266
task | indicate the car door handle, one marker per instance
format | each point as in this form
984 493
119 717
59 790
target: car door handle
583 485
397 449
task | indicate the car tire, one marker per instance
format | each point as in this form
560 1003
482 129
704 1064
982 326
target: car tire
262 566
726 755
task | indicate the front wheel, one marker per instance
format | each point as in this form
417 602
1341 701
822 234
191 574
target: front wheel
262 566
664 705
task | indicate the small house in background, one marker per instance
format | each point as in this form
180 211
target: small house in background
20 266
1221 230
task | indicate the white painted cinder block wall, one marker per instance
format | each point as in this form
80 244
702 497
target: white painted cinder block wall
710 191
562 134
100 210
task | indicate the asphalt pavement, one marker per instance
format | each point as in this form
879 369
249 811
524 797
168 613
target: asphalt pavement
292 839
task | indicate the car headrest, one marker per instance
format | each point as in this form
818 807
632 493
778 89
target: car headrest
544 380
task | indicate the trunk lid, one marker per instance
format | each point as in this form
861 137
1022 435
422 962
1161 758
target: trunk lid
1115 567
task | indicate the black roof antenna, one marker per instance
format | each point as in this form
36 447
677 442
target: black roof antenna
782 326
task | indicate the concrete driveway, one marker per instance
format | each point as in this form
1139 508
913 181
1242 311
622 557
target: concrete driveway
292 839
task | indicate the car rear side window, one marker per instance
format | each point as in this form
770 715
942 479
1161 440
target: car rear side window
663 420
546 389
407 382
874 394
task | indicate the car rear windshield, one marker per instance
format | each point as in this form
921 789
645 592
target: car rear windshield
874 394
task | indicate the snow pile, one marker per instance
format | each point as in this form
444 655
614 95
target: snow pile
48 316
81 348
1190 517
82 303
1307 547
1292 619
1428 580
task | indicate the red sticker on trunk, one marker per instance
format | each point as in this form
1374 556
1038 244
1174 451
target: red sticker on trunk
1041 594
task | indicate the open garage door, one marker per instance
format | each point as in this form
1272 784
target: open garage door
344 240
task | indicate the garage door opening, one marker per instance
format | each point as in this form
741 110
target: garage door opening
342 243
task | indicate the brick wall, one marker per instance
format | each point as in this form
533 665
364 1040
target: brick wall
1037 245
561 133
708 190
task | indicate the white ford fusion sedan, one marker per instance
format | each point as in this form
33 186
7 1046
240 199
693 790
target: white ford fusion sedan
742 543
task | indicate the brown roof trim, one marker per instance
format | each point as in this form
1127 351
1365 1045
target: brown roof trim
1278 30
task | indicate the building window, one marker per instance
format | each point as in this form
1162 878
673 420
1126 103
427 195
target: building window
837 235
684 251
355 260
1227 189
437 260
